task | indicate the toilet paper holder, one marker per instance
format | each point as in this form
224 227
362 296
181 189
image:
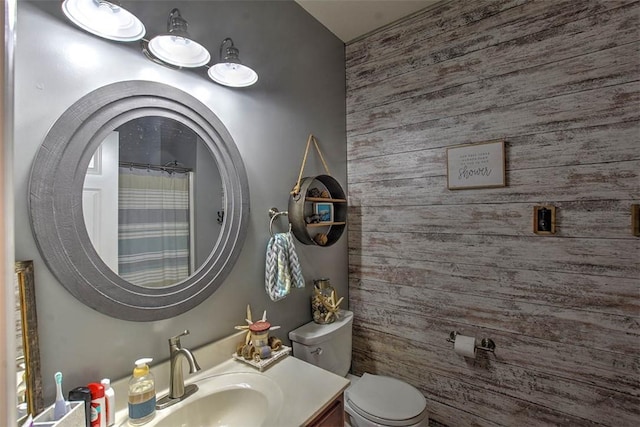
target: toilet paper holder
486 344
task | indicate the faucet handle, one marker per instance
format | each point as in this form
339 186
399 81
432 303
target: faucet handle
176 340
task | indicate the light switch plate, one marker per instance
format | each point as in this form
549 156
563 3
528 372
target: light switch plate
544 220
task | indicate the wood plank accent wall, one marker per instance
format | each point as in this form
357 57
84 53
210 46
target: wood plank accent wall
559 81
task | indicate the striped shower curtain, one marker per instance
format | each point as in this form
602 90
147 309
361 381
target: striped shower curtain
153 230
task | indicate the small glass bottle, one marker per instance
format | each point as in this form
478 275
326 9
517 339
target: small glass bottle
323 295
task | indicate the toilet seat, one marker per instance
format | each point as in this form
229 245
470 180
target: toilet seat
386 401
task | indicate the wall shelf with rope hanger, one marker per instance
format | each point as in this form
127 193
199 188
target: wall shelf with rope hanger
317 208
301 211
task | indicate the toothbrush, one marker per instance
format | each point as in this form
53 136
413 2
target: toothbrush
60 407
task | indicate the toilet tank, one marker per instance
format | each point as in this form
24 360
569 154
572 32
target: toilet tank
326 346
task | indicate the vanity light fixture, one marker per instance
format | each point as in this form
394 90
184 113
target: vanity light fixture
230 71
176 46
106 19
174 49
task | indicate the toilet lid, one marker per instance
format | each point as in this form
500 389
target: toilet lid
386 398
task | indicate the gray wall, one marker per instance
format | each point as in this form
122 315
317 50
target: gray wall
558 82
301 90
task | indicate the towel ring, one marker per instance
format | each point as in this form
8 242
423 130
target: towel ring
275 213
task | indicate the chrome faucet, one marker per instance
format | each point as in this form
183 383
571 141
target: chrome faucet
177 389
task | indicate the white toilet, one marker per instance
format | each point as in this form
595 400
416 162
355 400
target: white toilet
370 401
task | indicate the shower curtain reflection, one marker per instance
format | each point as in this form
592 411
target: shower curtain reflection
153 226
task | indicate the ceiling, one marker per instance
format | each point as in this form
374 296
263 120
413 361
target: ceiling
350 19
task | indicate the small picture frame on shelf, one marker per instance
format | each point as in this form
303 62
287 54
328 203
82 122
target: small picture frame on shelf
324 211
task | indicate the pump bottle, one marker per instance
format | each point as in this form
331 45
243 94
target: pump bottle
142 394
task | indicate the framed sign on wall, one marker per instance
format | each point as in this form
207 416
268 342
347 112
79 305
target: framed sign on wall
479 165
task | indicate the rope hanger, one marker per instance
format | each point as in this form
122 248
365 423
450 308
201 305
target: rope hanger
296 188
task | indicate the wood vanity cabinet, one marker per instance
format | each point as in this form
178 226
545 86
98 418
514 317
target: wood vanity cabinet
331 416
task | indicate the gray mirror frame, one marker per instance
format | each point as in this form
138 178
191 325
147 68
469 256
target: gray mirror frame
55 197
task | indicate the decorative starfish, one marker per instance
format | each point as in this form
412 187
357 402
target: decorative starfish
249 321
331 305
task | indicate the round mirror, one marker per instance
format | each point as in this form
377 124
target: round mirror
61 206
152 201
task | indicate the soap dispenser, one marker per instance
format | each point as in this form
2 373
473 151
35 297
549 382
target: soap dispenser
142 394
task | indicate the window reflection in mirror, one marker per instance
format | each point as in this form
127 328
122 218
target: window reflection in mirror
151 200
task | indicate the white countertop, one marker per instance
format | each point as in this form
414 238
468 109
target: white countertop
307 389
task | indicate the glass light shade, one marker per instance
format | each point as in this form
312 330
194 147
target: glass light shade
179 51
104 19
233 74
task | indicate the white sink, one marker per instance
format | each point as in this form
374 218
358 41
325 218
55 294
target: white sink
234 394
226 400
